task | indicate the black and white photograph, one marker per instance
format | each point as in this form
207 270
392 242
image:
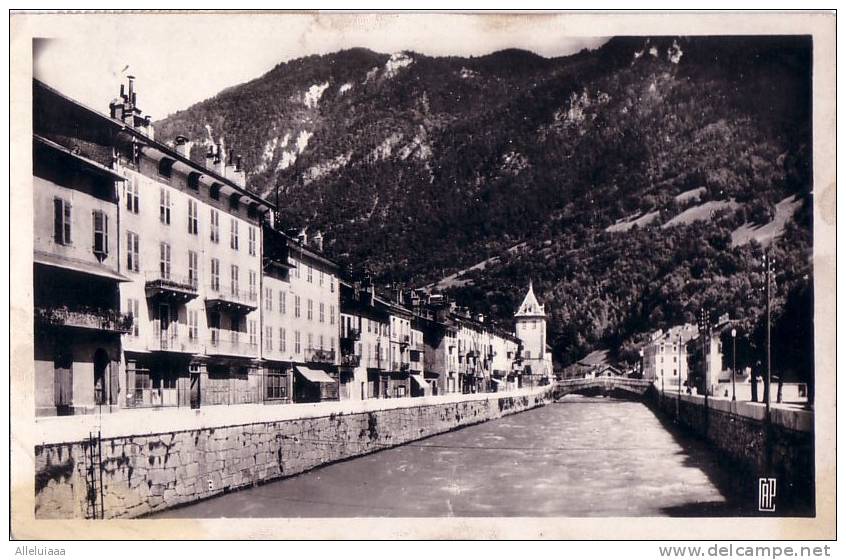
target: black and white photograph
370 271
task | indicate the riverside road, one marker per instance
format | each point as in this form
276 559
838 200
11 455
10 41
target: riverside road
578 457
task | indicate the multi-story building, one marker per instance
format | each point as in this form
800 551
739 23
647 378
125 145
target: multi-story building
365 327
192 250
77 267
665 356
440 358
301 320
186 238
530 325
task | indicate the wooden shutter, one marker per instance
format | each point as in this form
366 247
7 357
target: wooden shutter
114 382
58 220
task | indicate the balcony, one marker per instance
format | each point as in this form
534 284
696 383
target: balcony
350 361
107 320
231 299
174 340
230 343
167 286
319 356
402 367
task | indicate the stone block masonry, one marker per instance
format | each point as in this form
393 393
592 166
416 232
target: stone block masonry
781 448
148 472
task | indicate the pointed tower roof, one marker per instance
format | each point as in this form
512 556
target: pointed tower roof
530 306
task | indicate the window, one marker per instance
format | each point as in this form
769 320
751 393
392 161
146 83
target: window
296 342
310 342
253 282
233 234
132 194
268 299
282 301
296 306
332 343
164 260
193 226
268 338
215 275
62 221
252 240
164 206
192 324
320 341
252 328
331 314
277 385
132 255
322 314
132 309
321 278
214 226
233 279
193 273
282 340
331 283
309 272
310 310
400 391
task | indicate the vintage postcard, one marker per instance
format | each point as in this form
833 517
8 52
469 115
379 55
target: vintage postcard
422 275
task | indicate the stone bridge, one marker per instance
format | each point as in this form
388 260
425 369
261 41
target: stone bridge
614 386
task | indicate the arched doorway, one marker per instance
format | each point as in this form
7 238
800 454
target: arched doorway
63 381
101 368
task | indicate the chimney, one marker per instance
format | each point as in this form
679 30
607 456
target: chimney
218 162
210 155
480 317
148 125
317 241
229 168
302 237
183 146
240 174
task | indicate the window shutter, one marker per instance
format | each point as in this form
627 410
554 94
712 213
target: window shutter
58 220
95 215
105 233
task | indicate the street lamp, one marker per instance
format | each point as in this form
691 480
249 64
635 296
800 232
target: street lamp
733 362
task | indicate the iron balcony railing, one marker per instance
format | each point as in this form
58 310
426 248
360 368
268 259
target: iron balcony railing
320 355
85 318
232 295
172 339
350 360
231 343
163 282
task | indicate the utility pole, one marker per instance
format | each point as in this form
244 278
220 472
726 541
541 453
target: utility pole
704 331
733 362
769 266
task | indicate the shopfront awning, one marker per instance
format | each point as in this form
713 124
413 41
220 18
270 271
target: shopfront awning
421 381
499 382
314 375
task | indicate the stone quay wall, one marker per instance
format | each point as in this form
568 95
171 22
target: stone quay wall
148 472
781 448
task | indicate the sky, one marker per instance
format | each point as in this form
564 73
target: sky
181 59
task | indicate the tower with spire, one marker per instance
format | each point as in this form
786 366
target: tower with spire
530 324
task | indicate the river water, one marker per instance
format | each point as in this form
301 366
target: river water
576 458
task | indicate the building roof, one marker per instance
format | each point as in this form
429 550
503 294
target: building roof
102 125
530 306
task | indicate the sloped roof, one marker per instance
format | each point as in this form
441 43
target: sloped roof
530 306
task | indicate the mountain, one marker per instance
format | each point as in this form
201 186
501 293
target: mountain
634 183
